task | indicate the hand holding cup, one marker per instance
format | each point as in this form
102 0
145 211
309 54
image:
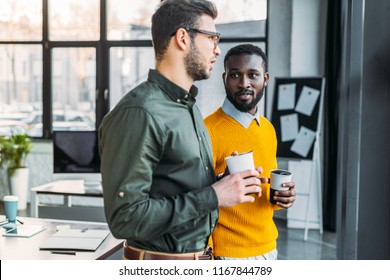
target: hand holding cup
237 163
278 178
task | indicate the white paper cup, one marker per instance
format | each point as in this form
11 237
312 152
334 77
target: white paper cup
10 207
279 177
241 162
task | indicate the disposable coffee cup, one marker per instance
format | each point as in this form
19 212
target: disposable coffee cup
240 162
10 207
278 178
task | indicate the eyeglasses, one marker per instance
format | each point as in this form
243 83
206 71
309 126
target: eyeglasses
214 36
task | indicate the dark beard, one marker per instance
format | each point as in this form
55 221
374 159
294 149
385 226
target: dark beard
195 69
243 107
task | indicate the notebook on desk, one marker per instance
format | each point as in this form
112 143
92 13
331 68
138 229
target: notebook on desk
75 239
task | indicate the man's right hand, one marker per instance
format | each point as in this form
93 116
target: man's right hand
235 188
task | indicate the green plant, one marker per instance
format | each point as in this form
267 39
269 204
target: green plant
14 150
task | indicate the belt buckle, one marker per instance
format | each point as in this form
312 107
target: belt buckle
208 252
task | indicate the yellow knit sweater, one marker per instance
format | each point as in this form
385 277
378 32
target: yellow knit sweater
246 229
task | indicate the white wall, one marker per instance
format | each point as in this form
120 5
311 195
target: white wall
308 37
296 40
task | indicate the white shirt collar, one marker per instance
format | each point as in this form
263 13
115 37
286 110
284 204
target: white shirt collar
242 118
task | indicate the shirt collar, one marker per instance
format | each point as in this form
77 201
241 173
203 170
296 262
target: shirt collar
242 118
175 92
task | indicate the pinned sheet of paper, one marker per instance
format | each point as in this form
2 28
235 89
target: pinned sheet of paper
289 127
307 100
304 141
286 96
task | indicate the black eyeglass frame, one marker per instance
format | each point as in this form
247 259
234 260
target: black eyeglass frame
215 35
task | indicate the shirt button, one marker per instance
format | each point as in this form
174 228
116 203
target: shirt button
121 194
207 168
200 138
178 100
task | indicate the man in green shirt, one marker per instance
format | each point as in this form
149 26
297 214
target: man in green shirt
160 191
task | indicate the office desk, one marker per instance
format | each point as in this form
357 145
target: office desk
68 189
20 248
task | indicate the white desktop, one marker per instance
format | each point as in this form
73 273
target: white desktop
68 199
90 180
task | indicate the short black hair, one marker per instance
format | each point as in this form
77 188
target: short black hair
174 14
246 49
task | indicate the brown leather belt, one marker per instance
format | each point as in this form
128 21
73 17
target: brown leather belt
131 253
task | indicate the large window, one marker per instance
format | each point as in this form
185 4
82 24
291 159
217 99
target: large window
65 64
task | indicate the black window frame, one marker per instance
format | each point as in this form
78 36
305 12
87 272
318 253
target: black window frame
102 46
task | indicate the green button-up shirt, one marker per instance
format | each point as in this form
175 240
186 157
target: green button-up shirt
157 169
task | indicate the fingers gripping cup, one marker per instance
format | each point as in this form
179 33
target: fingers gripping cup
278 178
10 207
240 162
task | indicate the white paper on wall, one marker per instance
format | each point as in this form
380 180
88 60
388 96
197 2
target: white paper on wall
289 127
286 96
307 100
304 141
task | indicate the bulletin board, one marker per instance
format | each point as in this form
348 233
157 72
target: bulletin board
296 115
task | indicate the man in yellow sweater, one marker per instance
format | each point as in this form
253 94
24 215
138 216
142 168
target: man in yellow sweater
246 231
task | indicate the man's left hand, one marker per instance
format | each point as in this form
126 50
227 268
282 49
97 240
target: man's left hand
285 199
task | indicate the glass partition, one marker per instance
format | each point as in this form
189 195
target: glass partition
20 20
20 87
130 19
74 20
73 88
128 68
